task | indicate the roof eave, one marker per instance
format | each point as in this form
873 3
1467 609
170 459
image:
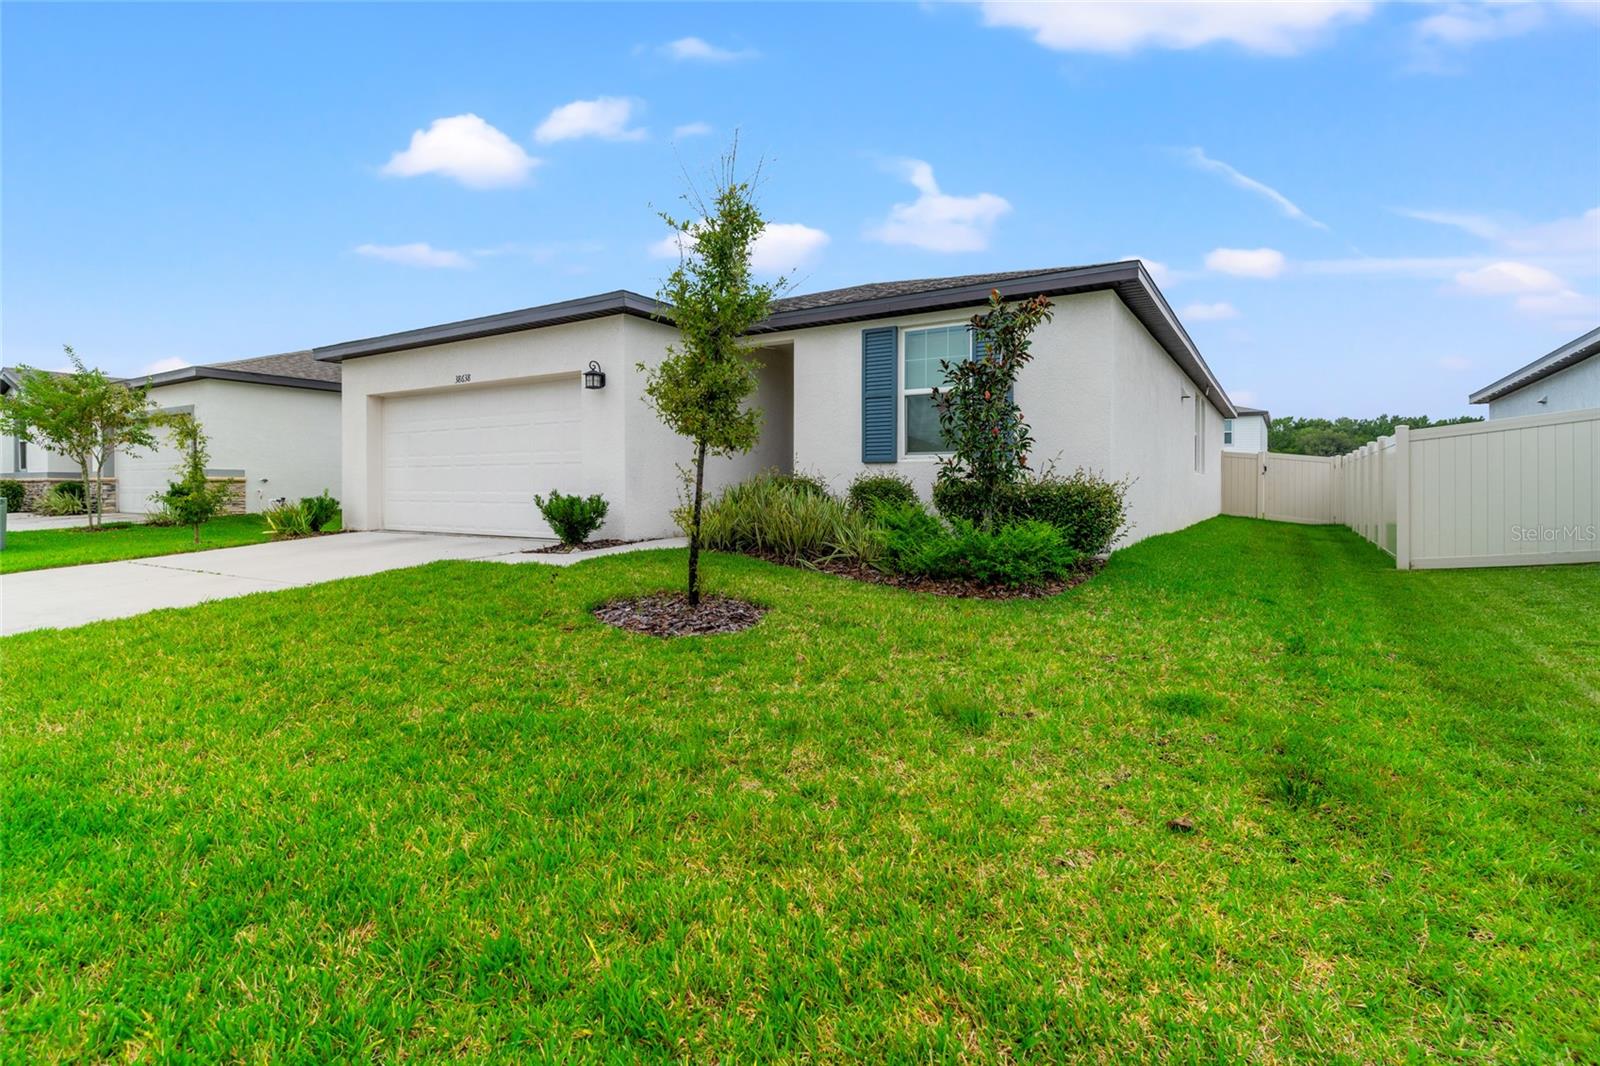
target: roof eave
200 373
1570 354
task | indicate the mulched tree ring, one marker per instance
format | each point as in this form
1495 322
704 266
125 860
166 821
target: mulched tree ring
668 614
586 546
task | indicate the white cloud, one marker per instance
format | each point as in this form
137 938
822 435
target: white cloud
419 254
1159 272
161 366
1463 25
1577 235
466 148
1477 225
1563 303
1198 158
1209 312
1454 363
781 246
1246 262
699 50
605 117
937 221
1421 266
1242 397
1508 278
690 129
1122 28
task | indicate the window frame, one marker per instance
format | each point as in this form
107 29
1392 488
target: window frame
21 454
1199 433
1227 431
902 391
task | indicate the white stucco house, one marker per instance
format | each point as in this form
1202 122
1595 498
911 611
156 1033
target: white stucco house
272 425
25 460
454 428
1246 431
1567 379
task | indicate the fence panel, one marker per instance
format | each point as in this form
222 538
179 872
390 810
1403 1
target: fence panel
1241 483
1507 492
1299 488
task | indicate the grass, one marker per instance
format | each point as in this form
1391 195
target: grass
444 813
41 549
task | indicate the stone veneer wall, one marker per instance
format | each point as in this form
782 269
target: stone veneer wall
33 488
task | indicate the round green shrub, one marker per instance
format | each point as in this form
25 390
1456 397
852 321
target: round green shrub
74 489
15 495
1090 512
870 490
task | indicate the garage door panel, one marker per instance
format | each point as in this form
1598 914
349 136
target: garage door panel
471 461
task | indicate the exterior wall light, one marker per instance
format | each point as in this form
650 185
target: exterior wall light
594 377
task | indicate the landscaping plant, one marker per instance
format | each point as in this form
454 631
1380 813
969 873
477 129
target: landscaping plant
60 501
1090 511
14 493
288 520
869 490
699 390
83 415
192 499
779 515
573 517
1015 555
320 510
978 413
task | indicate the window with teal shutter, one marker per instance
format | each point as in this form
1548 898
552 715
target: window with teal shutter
926 349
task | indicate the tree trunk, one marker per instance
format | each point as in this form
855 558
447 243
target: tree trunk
694 523
88 504
197 535
99 491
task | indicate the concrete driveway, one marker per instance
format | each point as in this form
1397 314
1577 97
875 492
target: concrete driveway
76 595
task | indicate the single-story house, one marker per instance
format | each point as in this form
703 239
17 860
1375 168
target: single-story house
1567 379
455 427
272 426
38 468
1246 431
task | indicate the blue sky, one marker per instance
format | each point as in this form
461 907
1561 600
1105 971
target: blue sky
1354 208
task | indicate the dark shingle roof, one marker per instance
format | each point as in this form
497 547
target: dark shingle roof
912 287
293 369
288 365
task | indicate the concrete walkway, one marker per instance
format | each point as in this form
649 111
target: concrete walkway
76 595
28 520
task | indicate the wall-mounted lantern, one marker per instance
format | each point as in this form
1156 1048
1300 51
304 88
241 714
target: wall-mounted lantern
594 377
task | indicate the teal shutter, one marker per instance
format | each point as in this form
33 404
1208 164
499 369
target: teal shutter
880 406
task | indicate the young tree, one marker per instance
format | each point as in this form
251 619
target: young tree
193 500
83 415
699 390
978 413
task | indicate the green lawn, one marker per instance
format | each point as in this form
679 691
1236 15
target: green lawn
445 814
41 549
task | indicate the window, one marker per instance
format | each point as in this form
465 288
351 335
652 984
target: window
1227 431
924 350
1199 436
22 454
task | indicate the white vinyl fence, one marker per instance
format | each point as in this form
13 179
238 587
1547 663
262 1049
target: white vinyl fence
1507 492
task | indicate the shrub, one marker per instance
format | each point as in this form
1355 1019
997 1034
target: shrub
1017 555
787 517
319 510
869 490
15 495
287 520
74 489
59 501
1089 511
810 484
572 517
160 514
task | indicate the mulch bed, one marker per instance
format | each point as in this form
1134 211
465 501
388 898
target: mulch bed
586 546
963 589
668 614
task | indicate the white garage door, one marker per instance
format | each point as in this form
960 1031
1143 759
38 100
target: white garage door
471 460
145 475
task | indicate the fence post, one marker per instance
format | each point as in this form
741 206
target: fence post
1402 497
1261 484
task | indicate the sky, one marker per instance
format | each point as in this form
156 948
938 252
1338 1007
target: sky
1354 208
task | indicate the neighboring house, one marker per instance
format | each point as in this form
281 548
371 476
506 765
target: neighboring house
1567 379
1246 431
37 467
453 428
272 425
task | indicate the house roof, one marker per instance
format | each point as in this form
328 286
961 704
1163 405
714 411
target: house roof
1243 411
11 376
1569 354
1128 279
298 370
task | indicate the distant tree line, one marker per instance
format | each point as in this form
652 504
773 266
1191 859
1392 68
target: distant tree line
1322 436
